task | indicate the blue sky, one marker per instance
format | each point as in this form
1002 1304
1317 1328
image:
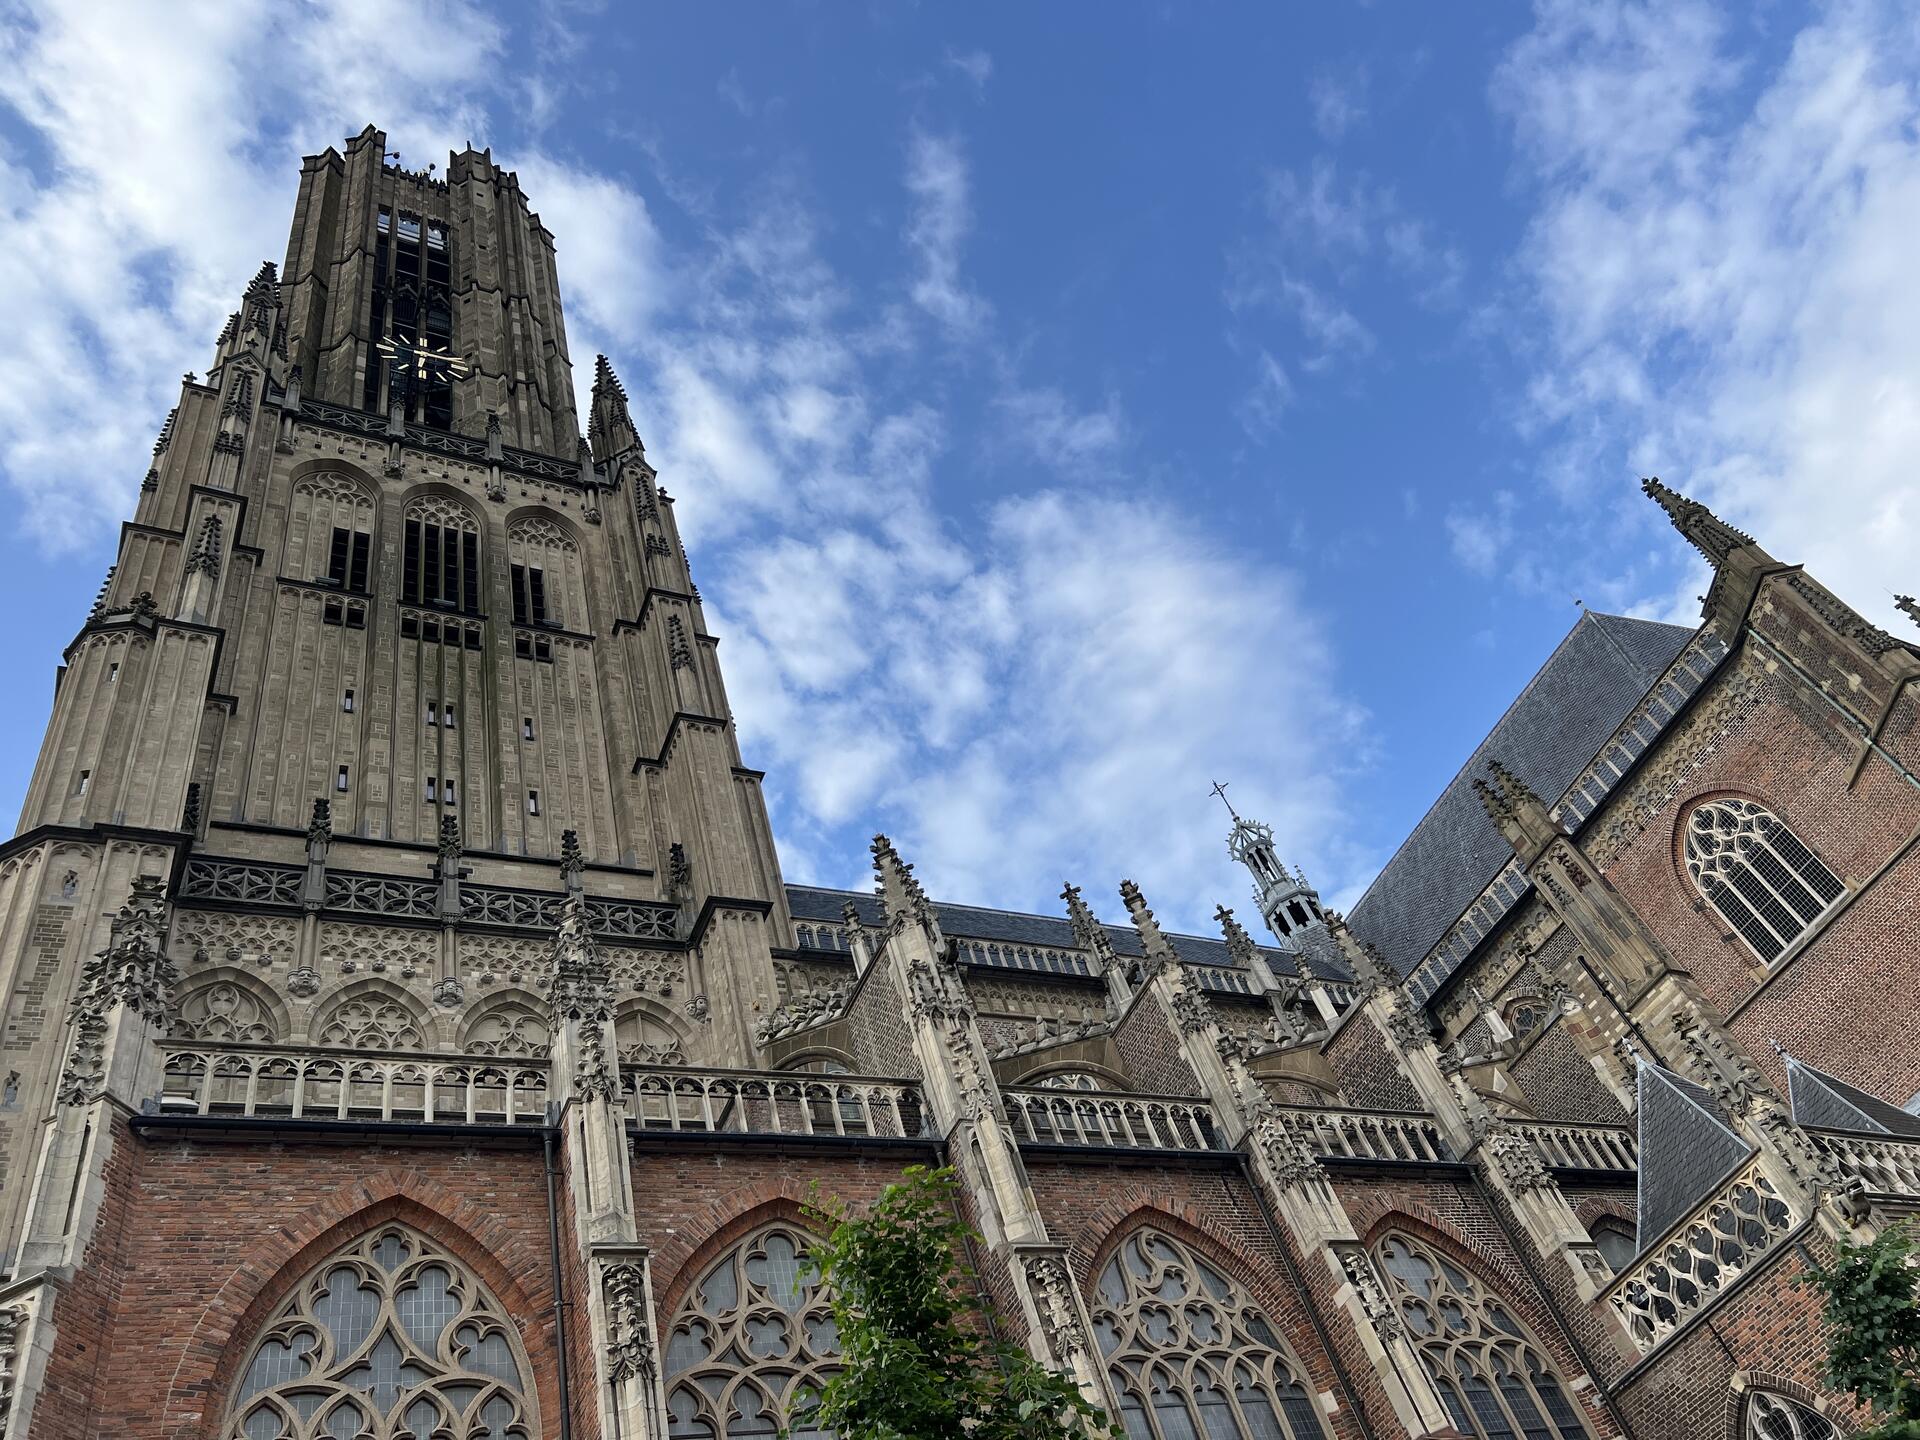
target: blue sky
1066 405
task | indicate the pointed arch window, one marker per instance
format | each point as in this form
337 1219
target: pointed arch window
1763 879
1491 1375
1190 1355
1774 1417
389 1337
371 1022
751 1341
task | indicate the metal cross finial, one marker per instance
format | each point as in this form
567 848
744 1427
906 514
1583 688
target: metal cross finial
1221 790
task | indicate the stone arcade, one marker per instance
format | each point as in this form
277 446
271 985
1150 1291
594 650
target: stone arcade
409 1033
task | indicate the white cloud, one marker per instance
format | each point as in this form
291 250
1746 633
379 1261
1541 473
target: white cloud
1719 275
937 227
1269 398
975 65
1339 101
1066 439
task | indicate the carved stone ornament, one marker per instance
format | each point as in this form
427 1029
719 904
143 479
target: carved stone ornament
630 1353
934 995
11 1317
448 993
593 1076
1407 1026
303 983
1052 1290
1515 1161
1286 1154
578 982
1357 1265
133 972
1191 1011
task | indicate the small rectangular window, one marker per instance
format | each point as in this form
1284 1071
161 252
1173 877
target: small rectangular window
430 630
332 612
86 779
523 646
356 616
433 789
450 793
433 713
113 672
473 637
346 701
533 802
410 626
542 648
436 235
446 716
386 221
340 780
410 228
526 727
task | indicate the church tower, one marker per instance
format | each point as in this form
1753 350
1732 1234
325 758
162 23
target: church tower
386 640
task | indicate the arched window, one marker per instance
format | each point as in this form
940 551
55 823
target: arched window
1757 873
389 1337
1615 1241
510 1028
441 565
1495 1382
643 1038
1774 1417
750 1341
1190 1354
1069 1080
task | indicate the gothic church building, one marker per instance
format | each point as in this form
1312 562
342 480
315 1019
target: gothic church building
408 1031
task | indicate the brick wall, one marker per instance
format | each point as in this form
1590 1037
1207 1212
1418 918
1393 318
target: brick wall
1150 1051
1368 1074
1561 1085
882 1043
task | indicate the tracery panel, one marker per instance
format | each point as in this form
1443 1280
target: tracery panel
389 1339
1491 1374
1774 1417
753 1337
1190 1354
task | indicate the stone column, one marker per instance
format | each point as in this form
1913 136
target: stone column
617 1309
964 1102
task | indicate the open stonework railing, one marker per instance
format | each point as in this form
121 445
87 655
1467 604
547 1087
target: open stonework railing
1700 1255
1367 1134
1882 1165
258 1082
1108 1119
1582 1147
745 1102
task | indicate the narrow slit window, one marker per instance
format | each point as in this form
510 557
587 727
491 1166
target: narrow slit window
340 780
357 565
450 794
346 701
533 802
433 790
113 672
446 717
433 713
86 779
519 594
526 727
337 555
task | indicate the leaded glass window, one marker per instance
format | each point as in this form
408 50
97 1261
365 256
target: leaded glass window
1190 1355
1490 1374
1774 1417
751 1341
390 1339
1762 878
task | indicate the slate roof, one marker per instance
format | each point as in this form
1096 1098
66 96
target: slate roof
1591 682
973 922
1686 1146
1818 1099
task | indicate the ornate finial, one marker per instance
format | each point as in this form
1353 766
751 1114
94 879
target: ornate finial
850 917
573 864
603 376
1087 930
190 816
1516 791
100 599
899 892
1704 530
1909 607
320 826
1159 952
1491 801
1239 944
449 839
1220 789
493 423
679 870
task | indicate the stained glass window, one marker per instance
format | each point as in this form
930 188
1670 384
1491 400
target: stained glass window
390 1338
1762 878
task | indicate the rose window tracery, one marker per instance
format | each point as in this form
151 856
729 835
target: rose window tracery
371 1022
752 1339
1490 1374
1191 1355
224 1011
390 1339
1762 878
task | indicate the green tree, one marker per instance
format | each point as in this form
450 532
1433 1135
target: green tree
1873 1328
914 1339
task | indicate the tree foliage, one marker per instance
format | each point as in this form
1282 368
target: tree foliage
1872 1294
915 1340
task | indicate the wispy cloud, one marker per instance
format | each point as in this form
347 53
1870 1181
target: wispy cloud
975 65
1715 278
937 226
1339 100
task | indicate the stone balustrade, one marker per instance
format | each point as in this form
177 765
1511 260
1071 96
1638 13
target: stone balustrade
1110 1119
1386 1135
262 1082
1884 1165
1700 1255
1582 1147
746 1102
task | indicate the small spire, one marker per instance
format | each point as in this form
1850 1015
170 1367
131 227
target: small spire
1704 530
320 826
1159 951
449 838
899 892
573 864
1239 944
1909 607
609 427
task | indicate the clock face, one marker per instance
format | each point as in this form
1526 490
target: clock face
421 360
